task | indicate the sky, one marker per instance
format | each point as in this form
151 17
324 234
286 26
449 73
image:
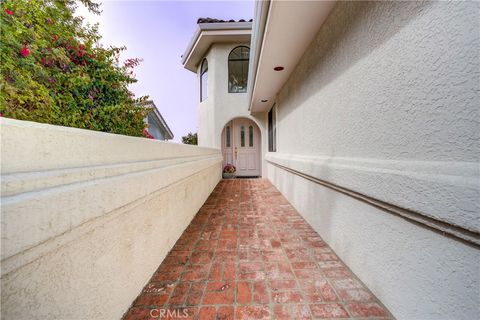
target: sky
158 32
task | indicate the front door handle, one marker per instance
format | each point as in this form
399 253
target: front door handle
236 153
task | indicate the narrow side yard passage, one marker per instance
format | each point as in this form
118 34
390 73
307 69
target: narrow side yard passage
248 254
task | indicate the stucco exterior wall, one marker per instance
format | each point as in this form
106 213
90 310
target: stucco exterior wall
390 81
417 273
384 103
222 106
87 217
206 108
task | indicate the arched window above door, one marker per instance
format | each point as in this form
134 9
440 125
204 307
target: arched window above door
204 80
238 69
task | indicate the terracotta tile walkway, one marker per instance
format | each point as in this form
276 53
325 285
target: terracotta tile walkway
248 254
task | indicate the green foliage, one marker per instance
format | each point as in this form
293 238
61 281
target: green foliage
190 138
53 70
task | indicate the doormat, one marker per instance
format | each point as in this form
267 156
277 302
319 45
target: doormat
248 177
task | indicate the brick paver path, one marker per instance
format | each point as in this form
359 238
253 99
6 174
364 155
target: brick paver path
248 254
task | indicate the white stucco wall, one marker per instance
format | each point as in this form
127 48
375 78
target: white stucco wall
415 272
87 217
222 106
384 103
206 108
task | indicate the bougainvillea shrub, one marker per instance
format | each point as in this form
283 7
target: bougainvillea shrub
54 70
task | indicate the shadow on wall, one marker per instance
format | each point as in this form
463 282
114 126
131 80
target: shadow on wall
351 32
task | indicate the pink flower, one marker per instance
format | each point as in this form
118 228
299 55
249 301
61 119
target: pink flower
9 12
51 80
147 134
24 51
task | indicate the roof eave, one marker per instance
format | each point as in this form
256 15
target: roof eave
169 133
258 30
281 45
207 33
158 115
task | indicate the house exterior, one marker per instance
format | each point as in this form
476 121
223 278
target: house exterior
219 54
157 126
365 116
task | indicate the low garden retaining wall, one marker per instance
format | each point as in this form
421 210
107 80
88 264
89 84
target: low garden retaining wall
87 217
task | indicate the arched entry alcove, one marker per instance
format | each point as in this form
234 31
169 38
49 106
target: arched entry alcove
241 146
